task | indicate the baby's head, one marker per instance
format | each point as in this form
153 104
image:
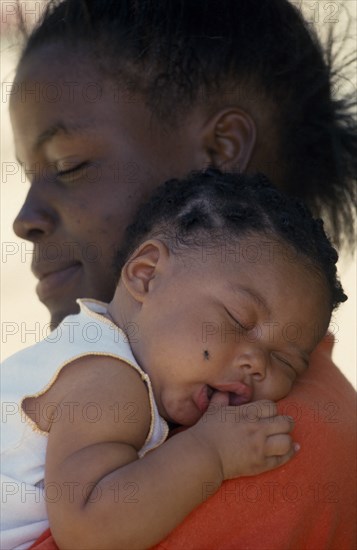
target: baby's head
231 286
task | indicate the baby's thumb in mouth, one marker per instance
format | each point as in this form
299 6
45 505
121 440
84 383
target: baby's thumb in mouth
220 398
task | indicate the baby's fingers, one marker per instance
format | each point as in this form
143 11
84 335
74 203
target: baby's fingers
274 461
259 409
278 445
279 425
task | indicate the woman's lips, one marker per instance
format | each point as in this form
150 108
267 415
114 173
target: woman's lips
52 281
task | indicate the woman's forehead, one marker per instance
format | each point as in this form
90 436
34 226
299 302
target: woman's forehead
54 98
59 59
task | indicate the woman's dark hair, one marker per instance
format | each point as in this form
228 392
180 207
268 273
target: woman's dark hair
178 53
209 209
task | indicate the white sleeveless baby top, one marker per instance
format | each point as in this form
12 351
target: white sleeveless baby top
23 445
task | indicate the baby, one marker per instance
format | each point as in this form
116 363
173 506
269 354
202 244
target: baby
226 287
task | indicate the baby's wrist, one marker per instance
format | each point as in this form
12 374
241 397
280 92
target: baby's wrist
209 451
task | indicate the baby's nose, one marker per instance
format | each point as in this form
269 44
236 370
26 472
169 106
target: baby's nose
254 362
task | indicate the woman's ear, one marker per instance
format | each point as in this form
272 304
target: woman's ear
143 266
229 139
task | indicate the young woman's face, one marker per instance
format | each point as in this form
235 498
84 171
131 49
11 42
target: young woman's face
239 320
92 153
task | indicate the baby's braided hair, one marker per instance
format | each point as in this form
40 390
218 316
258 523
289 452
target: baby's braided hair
211 208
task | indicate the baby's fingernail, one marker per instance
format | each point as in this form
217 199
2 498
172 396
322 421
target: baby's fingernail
290 418
296 447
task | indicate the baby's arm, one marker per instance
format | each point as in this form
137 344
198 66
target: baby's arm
95 478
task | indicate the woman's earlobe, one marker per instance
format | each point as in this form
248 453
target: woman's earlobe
230 138
143 267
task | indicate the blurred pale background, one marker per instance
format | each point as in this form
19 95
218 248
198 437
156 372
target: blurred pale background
24 320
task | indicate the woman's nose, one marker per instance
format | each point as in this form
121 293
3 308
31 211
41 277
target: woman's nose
35 220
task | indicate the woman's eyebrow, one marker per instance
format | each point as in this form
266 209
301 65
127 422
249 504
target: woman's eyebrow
58 127
52 131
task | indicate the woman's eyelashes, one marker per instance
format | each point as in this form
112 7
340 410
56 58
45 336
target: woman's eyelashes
72 172
66 170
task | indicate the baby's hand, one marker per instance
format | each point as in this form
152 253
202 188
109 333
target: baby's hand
246 440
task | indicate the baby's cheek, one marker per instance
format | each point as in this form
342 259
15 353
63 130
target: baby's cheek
286 385
279 386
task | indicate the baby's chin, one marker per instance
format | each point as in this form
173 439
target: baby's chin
183 421
183 418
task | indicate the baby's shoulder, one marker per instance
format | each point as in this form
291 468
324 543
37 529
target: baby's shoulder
92 387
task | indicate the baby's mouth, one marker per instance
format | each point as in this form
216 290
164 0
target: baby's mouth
235 393
238 393
204 397
235 400
210 392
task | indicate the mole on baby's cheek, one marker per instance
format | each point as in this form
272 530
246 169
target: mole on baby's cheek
206 354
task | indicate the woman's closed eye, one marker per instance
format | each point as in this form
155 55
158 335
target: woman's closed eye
72 171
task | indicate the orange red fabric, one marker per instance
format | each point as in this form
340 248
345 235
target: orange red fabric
308 504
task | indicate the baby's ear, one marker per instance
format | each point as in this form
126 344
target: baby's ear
143 266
